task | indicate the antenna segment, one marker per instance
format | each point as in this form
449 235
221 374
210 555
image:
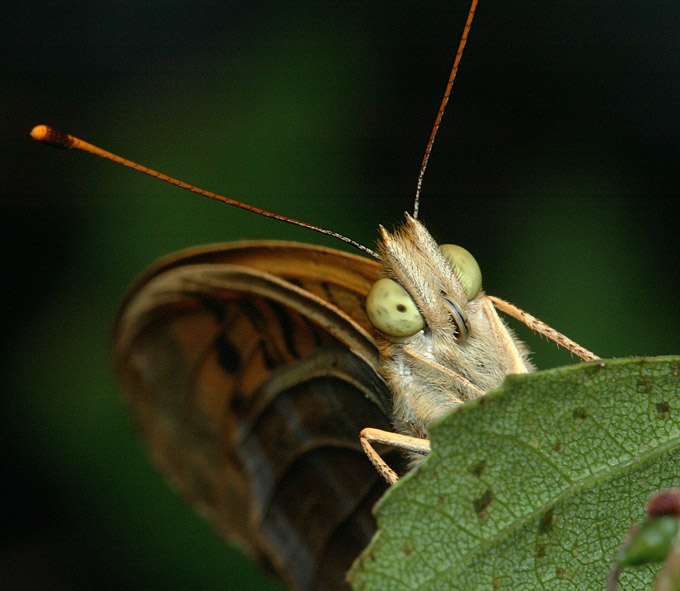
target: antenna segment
59 139
442 106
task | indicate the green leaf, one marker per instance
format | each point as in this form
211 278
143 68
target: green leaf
534 486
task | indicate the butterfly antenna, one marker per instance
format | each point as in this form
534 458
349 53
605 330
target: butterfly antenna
59 139
442 106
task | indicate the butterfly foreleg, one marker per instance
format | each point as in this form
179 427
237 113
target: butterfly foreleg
369 436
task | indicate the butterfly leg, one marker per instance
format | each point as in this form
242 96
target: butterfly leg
370 436
542 328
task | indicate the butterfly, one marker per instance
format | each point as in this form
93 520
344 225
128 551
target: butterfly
265 375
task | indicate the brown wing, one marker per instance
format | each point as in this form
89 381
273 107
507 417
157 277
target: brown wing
249 369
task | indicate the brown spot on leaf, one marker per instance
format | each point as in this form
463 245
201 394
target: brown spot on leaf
558 446
663 408
545 525
644 385
594 368
540 551
560 572
580 413
482 503
476 468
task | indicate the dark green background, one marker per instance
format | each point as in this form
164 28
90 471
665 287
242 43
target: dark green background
557 166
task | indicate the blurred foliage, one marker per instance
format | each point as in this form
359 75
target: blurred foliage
556 166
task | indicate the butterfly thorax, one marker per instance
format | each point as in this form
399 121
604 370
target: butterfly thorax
462 351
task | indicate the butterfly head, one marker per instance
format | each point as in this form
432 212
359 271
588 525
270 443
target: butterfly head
426 287
437 347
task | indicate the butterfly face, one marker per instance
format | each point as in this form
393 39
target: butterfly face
459 348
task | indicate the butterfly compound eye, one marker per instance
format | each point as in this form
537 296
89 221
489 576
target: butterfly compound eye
391 310
465 267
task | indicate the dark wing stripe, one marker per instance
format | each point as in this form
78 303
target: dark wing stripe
283 321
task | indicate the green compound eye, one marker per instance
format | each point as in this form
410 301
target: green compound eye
391 310
465 267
